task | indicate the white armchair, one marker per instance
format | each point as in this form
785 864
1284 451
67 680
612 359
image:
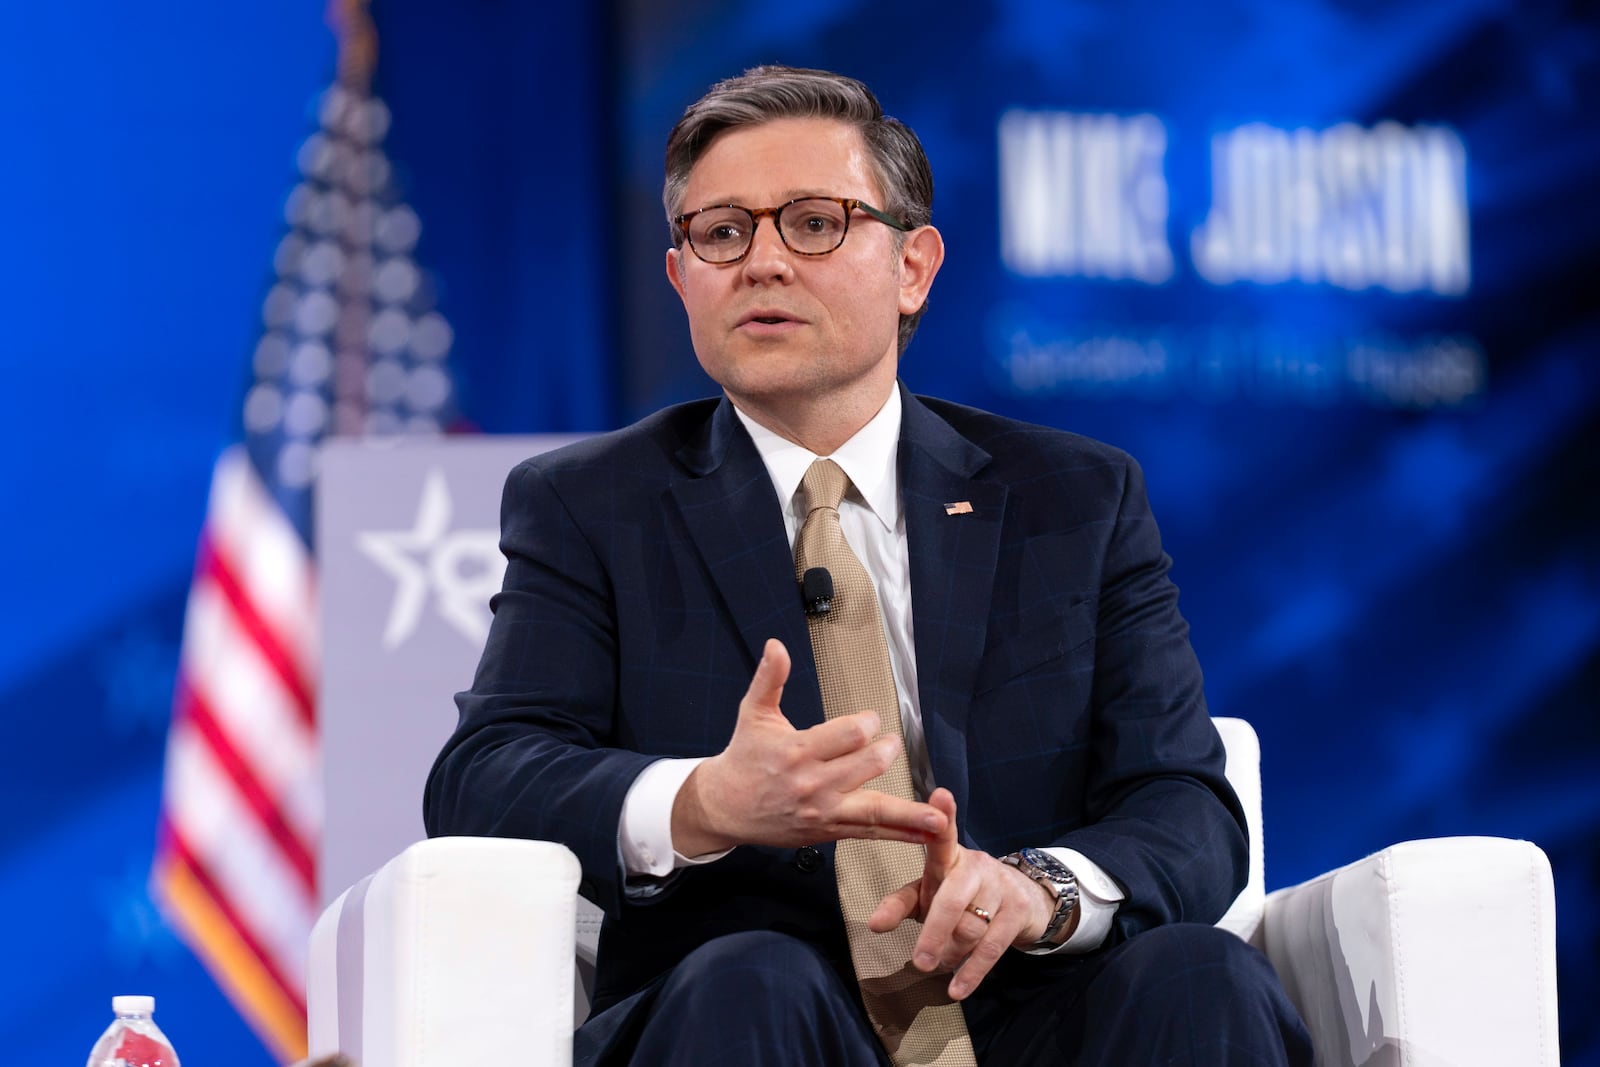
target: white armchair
1439 952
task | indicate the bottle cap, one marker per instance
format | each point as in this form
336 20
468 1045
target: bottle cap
130 1005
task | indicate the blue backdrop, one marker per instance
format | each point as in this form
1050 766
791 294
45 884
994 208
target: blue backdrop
1326 269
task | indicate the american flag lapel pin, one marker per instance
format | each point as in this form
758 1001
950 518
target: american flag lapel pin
959 507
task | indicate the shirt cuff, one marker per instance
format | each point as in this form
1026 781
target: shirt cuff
644 839
1098 897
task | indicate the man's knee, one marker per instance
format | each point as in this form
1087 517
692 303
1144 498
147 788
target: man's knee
1191 958
757 998
1198 989
1213 986
1183 993
1197 942
741 966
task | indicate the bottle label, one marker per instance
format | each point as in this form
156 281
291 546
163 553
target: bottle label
137 1050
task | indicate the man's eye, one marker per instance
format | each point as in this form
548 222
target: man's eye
819 224
720 231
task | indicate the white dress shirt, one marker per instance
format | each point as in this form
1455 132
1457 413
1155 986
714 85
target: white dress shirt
874 524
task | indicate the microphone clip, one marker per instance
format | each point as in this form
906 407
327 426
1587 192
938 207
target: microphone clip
816 591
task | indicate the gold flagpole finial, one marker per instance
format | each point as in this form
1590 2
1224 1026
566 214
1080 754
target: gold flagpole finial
352 24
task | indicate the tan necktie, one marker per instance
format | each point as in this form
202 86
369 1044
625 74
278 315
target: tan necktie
914 1017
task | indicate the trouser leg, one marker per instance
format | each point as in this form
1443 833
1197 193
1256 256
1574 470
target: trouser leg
1180 994
756 999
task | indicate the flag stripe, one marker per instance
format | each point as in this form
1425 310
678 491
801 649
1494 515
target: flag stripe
273 1007
225 668
268 555
241 860
268 814
214 566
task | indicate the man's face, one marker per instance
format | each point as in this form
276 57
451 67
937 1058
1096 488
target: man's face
777 328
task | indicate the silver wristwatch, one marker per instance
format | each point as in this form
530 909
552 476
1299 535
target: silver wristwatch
1059 882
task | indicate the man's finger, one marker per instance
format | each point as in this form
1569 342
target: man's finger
869 813
850 771
944 850
840 737
766 685
978 965
894 909
939 943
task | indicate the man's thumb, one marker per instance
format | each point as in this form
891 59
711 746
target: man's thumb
766 685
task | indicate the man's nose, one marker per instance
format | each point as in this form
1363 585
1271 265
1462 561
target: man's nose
768 252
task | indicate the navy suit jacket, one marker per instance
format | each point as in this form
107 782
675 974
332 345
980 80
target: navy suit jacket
1061 700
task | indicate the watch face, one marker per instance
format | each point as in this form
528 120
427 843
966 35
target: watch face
1054 868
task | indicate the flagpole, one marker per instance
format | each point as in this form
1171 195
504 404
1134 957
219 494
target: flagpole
351 23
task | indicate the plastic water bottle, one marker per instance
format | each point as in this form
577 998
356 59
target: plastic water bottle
133 1039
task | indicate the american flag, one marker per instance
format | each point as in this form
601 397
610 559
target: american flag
350 346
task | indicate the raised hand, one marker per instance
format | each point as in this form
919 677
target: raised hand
775 785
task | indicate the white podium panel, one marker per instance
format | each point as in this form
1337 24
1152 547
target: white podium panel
407 536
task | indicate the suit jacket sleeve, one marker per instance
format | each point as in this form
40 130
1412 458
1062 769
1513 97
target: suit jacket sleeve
1160 816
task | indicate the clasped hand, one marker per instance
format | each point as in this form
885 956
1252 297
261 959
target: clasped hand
776 785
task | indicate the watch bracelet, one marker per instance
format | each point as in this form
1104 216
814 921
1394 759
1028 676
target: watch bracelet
1065 892
1066 905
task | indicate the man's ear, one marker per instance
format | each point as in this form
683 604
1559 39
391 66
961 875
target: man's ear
675 271
921 256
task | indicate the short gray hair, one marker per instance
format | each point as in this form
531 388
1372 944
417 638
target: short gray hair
763 94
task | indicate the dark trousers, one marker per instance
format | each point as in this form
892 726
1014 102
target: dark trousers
1182 994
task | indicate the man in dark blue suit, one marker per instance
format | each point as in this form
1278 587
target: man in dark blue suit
649 695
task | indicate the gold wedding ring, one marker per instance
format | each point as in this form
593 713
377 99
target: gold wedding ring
982 913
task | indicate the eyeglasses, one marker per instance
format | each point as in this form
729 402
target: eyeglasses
809 226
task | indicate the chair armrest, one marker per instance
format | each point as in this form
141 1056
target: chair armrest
459 950
1428 953
1244 774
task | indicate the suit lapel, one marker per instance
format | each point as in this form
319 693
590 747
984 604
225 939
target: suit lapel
953 560
736 523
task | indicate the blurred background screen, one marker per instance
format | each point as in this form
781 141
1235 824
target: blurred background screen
1328 270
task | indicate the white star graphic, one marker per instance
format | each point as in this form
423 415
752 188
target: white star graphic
462 568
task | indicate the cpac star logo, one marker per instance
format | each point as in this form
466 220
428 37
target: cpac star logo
460 568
